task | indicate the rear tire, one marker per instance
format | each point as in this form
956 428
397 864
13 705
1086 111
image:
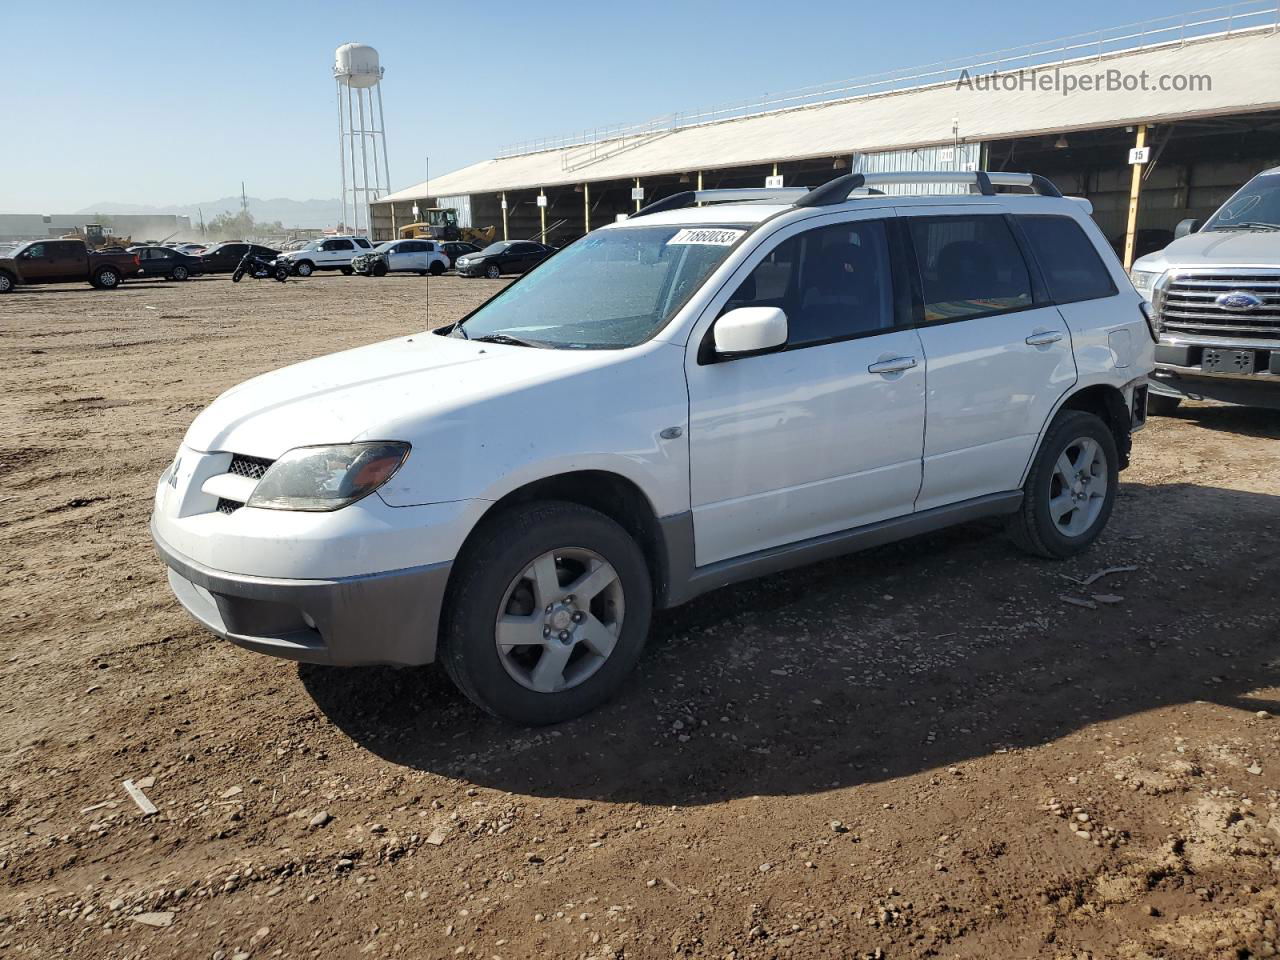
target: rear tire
1161 406
7 283
1070 490
107 278
281 273
347 271
588 650
437 268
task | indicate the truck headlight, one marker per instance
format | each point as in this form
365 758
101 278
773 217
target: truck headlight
327 478
1144 281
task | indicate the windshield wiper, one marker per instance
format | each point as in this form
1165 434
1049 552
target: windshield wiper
1249 225
504 338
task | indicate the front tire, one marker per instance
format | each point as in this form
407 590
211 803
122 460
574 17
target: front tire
281 273
347 271
547 613
305 269
493 272
179 273
379 270
1161 406
1071 489
236 276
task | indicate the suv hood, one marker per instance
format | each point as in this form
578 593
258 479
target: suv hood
1216 248
358 393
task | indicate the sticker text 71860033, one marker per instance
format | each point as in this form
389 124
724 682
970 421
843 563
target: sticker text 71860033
708 236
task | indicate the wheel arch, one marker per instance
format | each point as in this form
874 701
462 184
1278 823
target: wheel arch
1107 403
617 497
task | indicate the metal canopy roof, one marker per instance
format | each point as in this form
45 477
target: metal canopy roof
1244 72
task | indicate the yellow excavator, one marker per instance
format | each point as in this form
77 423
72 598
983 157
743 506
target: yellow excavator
441 223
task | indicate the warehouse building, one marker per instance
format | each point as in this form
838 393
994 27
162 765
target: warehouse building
139 226
1197 95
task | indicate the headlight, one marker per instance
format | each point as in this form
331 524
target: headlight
1144 281
327 478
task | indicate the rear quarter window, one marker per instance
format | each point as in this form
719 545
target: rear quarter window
1070 262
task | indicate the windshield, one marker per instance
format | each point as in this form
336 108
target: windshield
611 289
384 246
496 247
1255 206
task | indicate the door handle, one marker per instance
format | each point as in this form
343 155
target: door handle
1044 339
896 365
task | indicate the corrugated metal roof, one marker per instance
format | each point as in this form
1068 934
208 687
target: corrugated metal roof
1244 71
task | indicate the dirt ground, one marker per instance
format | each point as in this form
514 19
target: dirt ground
923 750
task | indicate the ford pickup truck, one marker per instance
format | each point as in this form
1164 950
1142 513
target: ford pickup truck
65 261
1215 296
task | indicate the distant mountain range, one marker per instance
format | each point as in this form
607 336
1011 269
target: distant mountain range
291 213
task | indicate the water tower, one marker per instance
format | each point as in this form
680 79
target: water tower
361 133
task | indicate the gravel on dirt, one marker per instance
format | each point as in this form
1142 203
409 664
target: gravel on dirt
916 751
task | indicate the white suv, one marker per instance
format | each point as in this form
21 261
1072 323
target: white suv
328 253
724 385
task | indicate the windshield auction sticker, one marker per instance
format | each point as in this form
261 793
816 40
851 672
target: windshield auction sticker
707 236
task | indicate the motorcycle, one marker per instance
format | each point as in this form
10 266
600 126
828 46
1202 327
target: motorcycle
260 268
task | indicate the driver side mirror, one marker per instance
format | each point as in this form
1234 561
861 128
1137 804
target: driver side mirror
1186 227
748 330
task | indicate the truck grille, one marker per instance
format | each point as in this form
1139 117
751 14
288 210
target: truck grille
1188 304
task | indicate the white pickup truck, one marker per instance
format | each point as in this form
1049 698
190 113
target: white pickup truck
1216 297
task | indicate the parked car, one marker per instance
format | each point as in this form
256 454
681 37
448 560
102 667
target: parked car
190 249
330 253
65 261
402 256
225 257
1215 292
453 249
505 256
166 262
748 387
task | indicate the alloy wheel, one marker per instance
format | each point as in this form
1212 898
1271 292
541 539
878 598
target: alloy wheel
559 620
1078 487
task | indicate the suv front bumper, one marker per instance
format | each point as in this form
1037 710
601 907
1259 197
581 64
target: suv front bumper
382 618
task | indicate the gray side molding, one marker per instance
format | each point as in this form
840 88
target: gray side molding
686 581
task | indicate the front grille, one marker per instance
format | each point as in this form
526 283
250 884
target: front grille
251 467
228 506
1188 304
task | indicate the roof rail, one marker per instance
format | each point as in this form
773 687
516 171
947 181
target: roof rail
838 190
842 188
689 197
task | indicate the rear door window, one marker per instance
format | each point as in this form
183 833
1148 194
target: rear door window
833 283
970 266
1070 262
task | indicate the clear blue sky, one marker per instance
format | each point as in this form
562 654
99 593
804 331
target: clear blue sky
168 103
